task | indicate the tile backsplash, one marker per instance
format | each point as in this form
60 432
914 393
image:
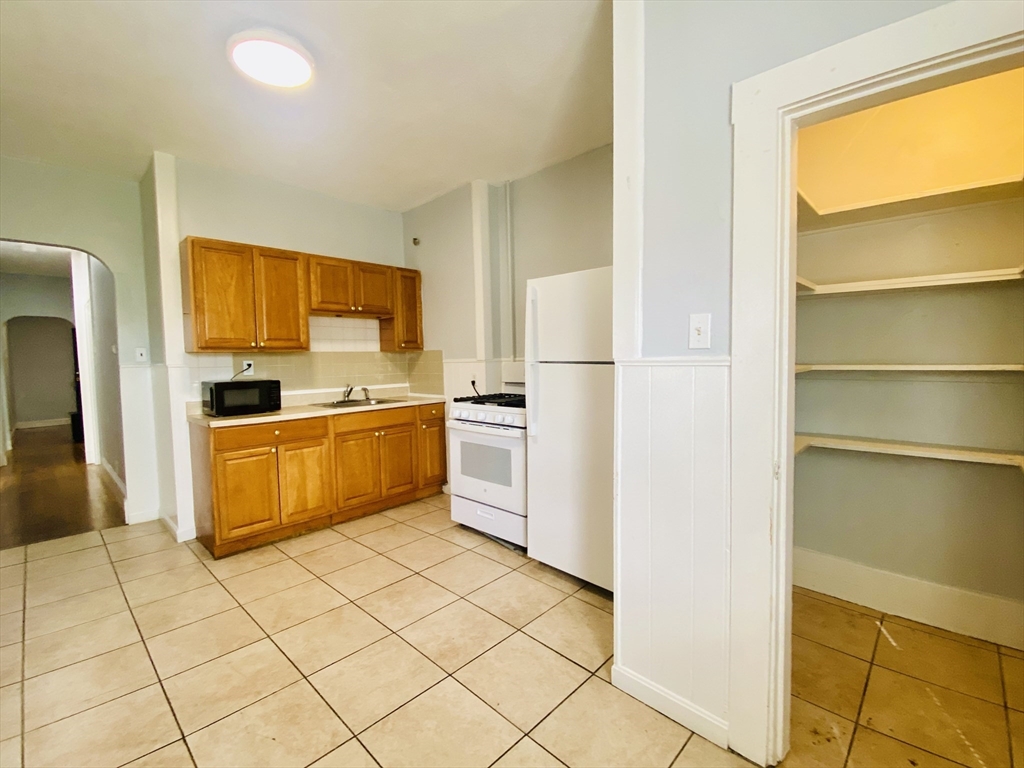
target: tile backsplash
343 334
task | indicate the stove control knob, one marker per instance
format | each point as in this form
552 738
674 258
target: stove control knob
509 420
481 416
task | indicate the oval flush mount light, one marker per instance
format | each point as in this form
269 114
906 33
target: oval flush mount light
271 58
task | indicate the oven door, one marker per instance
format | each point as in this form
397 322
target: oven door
488 465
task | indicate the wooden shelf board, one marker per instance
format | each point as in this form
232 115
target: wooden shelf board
807 288
921 450
805 367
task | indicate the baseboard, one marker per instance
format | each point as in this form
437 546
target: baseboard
987 617
684 712
114 476
42 423
180 534
145 516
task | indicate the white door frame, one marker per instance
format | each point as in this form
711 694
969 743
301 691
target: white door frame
949 44
81 295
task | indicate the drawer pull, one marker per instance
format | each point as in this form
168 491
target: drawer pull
277 431
485 513
273 450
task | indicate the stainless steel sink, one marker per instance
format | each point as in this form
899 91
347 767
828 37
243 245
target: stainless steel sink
356 403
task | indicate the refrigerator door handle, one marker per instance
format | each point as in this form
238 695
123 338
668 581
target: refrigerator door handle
532 390
533 339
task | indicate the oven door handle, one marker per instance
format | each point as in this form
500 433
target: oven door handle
495 431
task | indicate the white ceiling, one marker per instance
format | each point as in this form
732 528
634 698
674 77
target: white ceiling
31 259
410 98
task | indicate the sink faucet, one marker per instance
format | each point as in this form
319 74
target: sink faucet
366 393
348 393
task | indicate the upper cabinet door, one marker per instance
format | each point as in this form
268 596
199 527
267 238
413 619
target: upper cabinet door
374 289
331 285
223 296
410 310
282 309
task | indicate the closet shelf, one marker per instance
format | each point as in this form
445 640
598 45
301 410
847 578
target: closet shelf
805 287
804 368
804 441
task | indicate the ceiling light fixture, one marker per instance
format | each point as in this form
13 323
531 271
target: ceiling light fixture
271 58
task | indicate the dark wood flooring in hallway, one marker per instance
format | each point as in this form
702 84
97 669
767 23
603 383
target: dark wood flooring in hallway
47 491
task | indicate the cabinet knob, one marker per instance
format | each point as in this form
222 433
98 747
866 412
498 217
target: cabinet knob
433 411
382 434
359 308
423 426
263 343
376 434
252 343
273 450
351 307
277 431
403 344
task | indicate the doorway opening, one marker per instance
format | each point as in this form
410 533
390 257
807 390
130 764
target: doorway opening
61 450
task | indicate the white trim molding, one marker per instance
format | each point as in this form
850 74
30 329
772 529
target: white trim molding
42 423
112 473
951 43
649 362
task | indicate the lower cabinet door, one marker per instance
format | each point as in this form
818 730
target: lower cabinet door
307 482
358 458
398 460
433 462
247 492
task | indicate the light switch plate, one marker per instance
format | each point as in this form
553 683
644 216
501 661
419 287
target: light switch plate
700 331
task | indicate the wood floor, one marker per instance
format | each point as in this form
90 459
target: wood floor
47 491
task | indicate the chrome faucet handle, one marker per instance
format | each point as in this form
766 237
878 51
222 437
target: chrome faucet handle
366 393
348 393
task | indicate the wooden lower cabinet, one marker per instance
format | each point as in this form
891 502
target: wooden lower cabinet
358 465
398 460
247 492
433 453
306 479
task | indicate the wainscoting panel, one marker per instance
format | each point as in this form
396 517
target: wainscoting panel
672 523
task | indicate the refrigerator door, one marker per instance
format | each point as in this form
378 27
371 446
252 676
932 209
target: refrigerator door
569 468
569 317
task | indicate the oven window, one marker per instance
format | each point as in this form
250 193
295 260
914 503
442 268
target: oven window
486 463
246 396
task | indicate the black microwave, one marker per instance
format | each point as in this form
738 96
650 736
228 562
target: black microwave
240 398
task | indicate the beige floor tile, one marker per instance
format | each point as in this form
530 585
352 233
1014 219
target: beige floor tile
367 576
873 750
10 753
290 727
218 688
605 672
86 684
300 545
516 598
522 679
424 553
817 738
12 575
577 630
294 606
59 649
828 678
964 668
463 536
528 754
956 726
12 556
110 734
601 726
141 545
125 532
159 586
392 537
361 525
507 557
266 581
68 585
156 562
178 610
314 644
11 628
351 754
243 562
701 753
551 576
406 601
47 568
366 686
466 572
10 710
440 500
1017 737
12 599
54 547
10 663
942 632
456 634
197 643
837 601
174 755
199 551
433 522
405 512
1013 674
335 557
72 611
445 727
597 597
832 625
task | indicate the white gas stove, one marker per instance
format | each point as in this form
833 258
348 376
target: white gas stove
502 409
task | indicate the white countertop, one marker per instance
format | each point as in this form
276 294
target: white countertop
290 412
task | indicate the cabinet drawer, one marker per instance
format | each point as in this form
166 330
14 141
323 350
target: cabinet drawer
389 417
431 412
230 438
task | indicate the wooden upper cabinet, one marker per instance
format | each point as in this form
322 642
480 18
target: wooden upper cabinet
331 285
398 460
374 289
306 479
246 492
404 331
223 295
282 307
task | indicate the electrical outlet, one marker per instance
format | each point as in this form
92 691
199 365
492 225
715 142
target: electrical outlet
248 368
141 355
700 331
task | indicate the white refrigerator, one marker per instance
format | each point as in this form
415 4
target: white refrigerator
570 391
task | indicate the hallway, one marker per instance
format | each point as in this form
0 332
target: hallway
47 491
